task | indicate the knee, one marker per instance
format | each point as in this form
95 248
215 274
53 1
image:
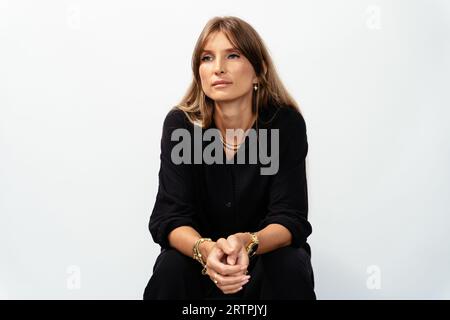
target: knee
173 264
289 261
288 274
172 273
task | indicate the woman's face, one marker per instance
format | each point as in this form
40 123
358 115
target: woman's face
218 55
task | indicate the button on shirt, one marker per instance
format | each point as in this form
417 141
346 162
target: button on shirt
221 199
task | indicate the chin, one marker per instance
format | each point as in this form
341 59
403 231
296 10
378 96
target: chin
223 99
225 96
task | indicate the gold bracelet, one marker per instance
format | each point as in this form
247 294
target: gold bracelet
197 255
253 245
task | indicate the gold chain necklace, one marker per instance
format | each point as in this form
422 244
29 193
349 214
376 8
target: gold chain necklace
229 146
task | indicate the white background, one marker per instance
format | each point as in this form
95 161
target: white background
84 89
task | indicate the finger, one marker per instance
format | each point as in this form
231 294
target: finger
214 277
225 246
229 280
235 243
242 271
231 292
225 269
231 259
210 272
242 258
214 262
216 258
233 287
237 274
217 253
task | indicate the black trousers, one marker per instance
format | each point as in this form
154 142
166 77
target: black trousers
285 273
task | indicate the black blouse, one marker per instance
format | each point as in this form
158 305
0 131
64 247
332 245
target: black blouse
221 199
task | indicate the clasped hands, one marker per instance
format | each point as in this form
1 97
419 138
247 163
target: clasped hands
227 262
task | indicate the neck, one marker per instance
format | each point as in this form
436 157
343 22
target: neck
233 114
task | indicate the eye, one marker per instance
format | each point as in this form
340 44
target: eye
204 58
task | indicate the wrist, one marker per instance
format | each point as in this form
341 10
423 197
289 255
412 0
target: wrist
245 238
197 255
205 248
252 246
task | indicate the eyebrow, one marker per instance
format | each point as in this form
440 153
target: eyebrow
226 50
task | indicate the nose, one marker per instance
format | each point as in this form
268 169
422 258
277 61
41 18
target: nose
218 66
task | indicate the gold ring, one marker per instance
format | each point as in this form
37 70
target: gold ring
215 281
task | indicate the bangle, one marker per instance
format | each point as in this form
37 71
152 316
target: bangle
197 255
253 245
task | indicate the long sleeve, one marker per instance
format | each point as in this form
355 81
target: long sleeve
288 194
174 205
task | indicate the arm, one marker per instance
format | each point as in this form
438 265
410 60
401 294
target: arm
288 194
183 239
174 205
173 220
272 237
230 278
285 223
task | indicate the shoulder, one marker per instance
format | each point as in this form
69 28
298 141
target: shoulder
292 132
290 122
290 119
175 119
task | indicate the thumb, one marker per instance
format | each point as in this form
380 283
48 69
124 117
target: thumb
226 248
231 259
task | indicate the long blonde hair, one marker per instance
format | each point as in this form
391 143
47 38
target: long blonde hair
199 108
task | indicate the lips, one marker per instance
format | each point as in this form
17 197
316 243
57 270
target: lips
221 82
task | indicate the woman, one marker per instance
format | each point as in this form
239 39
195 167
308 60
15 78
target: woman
225 229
